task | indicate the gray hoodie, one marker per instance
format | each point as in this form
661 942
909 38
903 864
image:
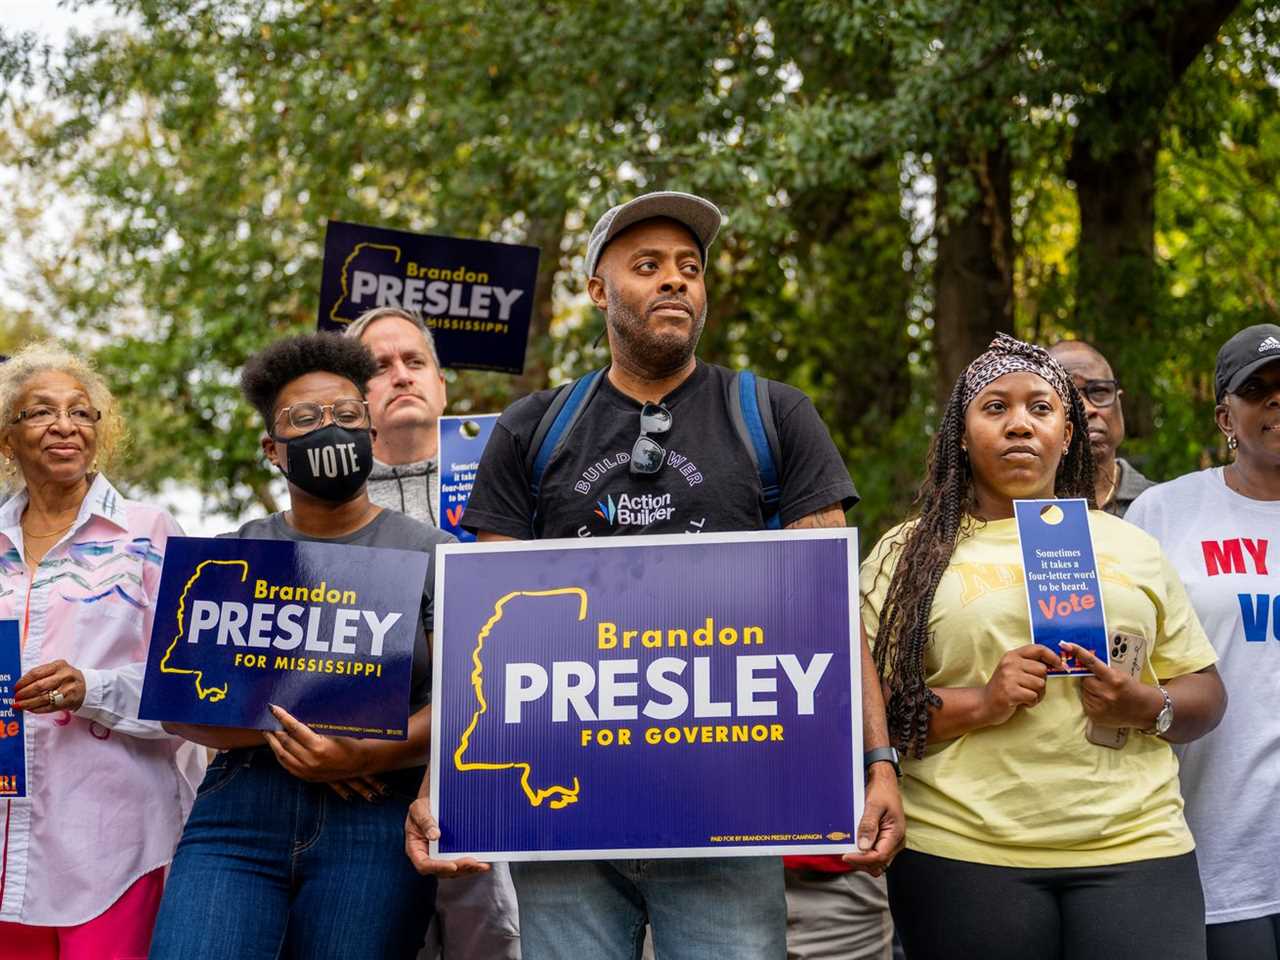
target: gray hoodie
411 488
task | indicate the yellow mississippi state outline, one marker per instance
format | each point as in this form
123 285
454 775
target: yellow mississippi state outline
559 796
333 313
212 694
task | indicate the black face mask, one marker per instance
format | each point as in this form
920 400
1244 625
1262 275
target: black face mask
331 463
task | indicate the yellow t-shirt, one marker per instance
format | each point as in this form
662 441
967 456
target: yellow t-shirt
1033 792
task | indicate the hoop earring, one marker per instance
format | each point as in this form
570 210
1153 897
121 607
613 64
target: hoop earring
1232 442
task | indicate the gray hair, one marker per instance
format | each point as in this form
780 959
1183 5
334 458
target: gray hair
357 327
47 356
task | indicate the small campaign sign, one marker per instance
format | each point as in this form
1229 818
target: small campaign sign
1064 594
475 295
13 729
327 631
648 696
462 441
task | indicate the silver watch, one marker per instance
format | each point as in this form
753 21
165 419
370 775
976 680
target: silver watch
1164 719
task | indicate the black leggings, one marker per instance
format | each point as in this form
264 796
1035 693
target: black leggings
955 910
1246 939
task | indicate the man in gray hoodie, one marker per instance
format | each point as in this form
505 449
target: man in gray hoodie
406 399
476 916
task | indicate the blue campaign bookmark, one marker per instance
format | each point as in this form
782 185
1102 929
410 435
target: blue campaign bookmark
1064 595
462 441
13 740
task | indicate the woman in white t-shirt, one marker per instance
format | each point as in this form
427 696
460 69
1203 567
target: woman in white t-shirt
1221 530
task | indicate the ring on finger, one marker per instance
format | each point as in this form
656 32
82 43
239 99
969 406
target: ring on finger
55 698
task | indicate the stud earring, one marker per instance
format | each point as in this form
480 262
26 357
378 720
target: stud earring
1232 442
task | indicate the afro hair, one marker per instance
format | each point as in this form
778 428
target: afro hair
268 372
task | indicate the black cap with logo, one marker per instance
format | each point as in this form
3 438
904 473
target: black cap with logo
1251 348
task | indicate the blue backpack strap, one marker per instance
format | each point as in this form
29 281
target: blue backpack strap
556 424
753 417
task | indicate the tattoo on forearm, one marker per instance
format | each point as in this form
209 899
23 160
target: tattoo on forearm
831 516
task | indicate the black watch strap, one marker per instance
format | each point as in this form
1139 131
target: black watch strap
882 755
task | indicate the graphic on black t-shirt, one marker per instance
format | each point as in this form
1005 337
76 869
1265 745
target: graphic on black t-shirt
708 482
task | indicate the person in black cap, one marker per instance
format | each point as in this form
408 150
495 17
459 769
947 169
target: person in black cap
1221 529
687 471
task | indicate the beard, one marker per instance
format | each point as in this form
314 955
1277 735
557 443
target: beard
656 354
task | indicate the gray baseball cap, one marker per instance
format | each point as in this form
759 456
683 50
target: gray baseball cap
702 217
1251 348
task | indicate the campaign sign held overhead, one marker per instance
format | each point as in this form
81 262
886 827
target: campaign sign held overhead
326 631
462 441
1064 595
13 738
649 696
476 296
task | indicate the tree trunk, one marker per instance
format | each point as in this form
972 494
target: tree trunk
973 275
546 233
1113 164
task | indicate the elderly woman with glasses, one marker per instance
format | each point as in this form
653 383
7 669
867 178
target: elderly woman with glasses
82 857
295 844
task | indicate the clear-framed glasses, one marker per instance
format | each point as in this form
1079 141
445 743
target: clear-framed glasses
1101 393
307 416
46 415
647 455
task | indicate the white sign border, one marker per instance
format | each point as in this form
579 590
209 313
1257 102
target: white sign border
848 534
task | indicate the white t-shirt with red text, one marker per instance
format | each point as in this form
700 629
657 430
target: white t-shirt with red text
1226 547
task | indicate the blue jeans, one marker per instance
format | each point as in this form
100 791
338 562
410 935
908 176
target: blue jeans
270 866
710 909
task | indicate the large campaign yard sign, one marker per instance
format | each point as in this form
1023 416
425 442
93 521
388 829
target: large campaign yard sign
649 696
324 630
475 295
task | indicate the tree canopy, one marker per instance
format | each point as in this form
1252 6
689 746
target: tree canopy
901 180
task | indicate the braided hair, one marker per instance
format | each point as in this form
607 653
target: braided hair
943 513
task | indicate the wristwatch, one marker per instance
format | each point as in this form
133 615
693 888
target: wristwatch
882 755
1164 719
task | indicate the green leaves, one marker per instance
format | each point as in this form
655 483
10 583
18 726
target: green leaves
207 143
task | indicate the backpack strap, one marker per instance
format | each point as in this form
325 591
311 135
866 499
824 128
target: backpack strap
753 417
556 425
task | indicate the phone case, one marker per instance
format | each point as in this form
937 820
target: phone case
1129 653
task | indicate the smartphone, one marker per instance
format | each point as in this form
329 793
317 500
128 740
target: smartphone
1128 653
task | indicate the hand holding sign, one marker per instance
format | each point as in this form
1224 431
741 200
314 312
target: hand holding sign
32 691
312 756
420 829
1111 697
1019 681
882 829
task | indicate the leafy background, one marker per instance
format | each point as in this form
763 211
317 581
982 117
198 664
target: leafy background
901 179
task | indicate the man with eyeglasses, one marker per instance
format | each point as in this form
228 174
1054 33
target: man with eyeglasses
655 449
1118 482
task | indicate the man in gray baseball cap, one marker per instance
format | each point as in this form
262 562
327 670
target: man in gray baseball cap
700 217
658 426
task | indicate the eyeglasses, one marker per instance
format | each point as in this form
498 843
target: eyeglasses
44 415
1101 393
307 416
647 455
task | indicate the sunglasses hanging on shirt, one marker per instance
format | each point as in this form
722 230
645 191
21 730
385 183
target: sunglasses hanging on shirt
647 455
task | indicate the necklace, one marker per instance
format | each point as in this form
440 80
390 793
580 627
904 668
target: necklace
1115 479
51 533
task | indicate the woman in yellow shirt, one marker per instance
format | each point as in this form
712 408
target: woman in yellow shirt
1024 839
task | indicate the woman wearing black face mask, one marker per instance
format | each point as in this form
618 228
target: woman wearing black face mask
295 844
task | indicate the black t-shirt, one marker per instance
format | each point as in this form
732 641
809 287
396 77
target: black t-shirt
388 529
708 482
